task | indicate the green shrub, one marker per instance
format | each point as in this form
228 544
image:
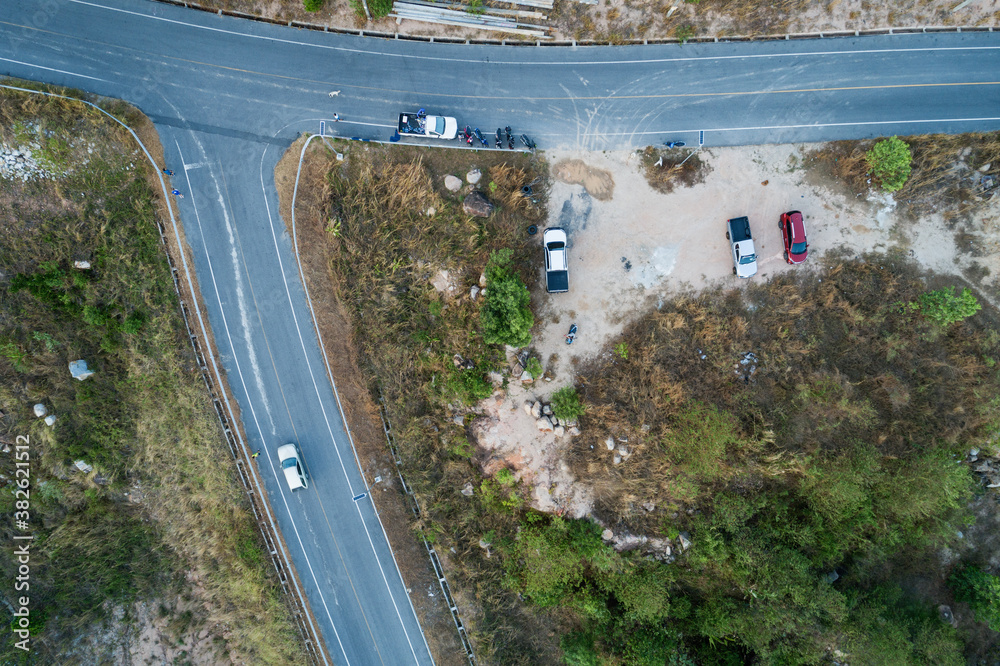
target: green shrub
698 438
312 5
379 8
566 405
578 649
945 308
506 317
889 161
535 368
981 590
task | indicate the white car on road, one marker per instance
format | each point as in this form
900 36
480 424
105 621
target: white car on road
291 465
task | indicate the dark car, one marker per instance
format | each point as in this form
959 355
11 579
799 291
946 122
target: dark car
793 231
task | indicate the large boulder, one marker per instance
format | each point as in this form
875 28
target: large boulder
477 205
79 370
452 183
475 175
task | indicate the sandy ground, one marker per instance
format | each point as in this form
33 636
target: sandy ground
637 247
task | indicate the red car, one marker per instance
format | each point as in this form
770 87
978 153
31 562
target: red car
793 230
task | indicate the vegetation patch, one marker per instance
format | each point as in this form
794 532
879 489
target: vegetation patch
666 168
161 511
949 174
835 453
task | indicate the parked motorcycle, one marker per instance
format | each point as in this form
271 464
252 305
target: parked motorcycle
499 140
571 336
510 137
528 143
674 144
467 135
482 139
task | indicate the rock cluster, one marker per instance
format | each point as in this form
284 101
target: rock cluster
664 549
546 421
986 467
620 449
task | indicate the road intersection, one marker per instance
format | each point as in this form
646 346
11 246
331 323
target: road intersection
228 96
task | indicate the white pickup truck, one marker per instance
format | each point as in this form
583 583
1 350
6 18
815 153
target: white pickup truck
432 127
744 255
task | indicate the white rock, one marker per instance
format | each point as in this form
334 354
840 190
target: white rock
528 406
473 293
685 540
82 265
617 459
79 370
84 467
648 506
556 421
547 410
607 534
573 431
482 279
474 176
544 425
610 443
526 377
50 420
559 431
452 184
40 410
467 489
536 410
432 211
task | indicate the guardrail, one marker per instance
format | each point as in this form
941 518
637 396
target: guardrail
435 560
267 530
825 34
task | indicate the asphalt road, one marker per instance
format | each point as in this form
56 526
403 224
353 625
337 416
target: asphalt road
228 97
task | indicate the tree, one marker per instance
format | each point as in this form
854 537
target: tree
889 160
506 317
945 308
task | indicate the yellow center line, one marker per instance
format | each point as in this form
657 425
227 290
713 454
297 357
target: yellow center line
335 84
267 344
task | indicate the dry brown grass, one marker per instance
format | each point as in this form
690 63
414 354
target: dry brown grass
838 362
664 169
945 177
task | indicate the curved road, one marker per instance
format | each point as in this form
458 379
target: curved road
228 96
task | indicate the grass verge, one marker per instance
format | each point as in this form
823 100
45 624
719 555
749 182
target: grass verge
144 420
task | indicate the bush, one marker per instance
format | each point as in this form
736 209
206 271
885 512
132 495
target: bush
945 308
535 368
889 161
506 318
312 5
981 590
566 404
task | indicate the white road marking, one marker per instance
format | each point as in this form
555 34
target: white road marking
253 413
802 126
50 69
319 397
